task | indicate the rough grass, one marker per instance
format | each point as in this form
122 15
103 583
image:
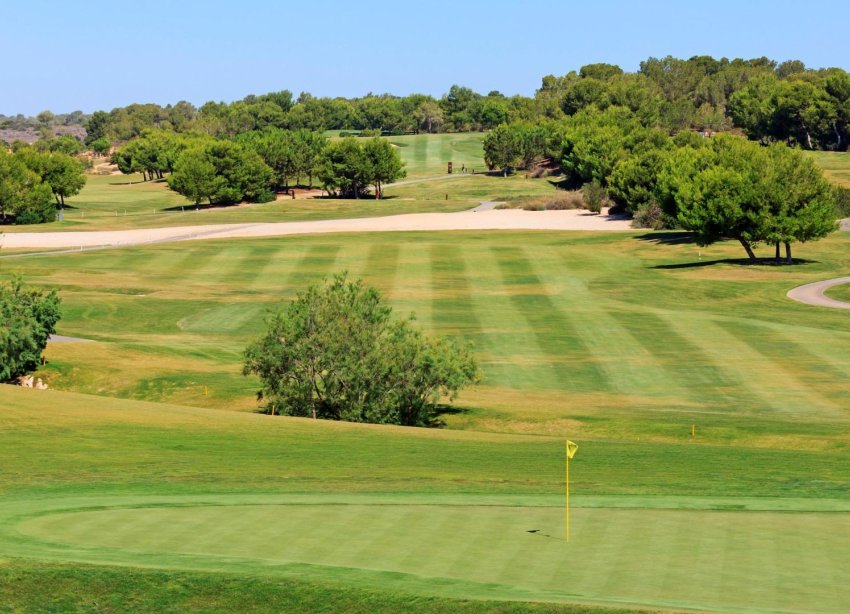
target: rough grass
88 588
555 201
835 165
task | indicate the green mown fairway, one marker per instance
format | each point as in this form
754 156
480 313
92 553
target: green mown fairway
144 480
588 334
428 155
416 512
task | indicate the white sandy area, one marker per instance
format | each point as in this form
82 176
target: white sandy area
504 219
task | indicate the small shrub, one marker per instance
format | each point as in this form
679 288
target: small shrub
595 196
563 201
651 216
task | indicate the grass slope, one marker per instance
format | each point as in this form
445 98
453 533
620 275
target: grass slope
378 511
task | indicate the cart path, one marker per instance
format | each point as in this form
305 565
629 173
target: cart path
813 294
476 219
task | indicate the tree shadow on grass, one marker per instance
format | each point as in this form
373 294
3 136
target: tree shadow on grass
443 409
736 262
201 207
680 237
667 237
128 182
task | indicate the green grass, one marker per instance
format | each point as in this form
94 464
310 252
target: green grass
578 332
621 341
428 155
836 165
377 513
841 293
85 588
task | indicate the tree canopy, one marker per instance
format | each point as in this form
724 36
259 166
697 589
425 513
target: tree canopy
730 188
335 352
27 319
221 172
349 166
24 196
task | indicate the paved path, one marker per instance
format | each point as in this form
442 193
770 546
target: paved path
813 294
507 219
488 205
64 339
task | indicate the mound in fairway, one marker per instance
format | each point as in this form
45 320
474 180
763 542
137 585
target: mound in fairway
485 547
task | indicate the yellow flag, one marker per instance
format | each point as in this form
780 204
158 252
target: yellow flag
572 448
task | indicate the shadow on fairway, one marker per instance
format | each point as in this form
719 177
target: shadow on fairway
202 207
667 237
734 261
163 180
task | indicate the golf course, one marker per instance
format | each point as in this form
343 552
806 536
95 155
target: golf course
710 410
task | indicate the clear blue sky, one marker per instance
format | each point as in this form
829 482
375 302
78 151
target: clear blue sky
92 55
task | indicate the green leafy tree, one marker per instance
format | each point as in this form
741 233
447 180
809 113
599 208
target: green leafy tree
23 195
802 203
349 167
595 142
101 146
335 352
310 147
27 319
222 172
429 115
520 144
195 176
735 189
385 164
278 150
345 170
64 174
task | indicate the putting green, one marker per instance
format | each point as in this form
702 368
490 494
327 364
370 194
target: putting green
671 558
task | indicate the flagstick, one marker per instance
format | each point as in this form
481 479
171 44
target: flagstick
567 491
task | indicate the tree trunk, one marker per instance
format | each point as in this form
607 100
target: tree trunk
748 248
776 255
788 259
808 137
62 200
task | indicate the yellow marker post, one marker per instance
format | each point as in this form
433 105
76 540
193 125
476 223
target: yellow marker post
571 451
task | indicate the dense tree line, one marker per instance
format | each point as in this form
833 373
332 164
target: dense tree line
723 187
255 165
33 183
769 100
